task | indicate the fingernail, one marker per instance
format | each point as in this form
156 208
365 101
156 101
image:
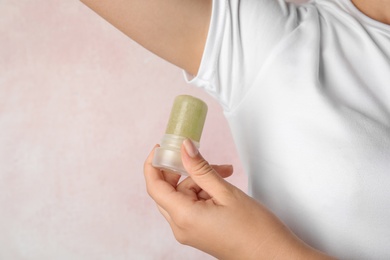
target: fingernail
228 166
190 147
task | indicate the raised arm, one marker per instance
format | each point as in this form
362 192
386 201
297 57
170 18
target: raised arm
175 30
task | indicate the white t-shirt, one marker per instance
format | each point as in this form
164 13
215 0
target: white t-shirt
306 91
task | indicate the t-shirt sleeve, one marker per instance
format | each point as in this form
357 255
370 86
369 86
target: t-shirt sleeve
241 36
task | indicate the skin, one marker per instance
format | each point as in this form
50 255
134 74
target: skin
204 211
205 208
376 9
175 30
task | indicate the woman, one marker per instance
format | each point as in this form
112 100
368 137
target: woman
306 92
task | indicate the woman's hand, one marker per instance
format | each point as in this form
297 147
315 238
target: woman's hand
208 213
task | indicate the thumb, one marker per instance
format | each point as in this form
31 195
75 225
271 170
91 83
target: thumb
202 173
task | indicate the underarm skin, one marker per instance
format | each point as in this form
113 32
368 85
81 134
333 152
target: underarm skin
376 9
175 30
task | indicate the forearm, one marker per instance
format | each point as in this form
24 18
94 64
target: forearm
266 237
175 30
298 250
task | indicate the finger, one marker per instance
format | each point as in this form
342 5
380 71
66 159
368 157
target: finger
223 170
148 167
189 188
171 178
164 213
202 173
171 223
162 192
188 183
202 195
155 179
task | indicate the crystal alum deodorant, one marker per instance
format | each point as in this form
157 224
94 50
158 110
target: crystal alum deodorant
187 119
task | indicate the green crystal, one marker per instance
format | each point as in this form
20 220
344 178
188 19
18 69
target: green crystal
187 117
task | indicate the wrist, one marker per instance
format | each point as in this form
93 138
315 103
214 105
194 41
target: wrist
284 245
297 249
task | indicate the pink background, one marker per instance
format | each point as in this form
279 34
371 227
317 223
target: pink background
81 106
